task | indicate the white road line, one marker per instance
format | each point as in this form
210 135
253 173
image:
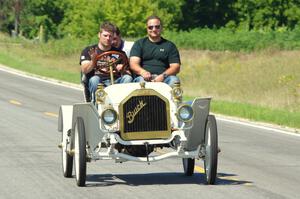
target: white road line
269 129
40 78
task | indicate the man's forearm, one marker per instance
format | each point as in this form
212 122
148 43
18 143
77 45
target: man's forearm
87 66
173 69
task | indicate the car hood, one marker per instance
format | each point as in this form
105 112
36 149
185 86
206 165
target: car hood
116 93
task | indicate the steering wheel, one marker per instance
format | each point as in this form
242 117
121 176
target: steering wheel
111 61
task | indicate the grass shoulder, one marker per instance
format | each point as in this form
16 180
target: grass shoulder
256 113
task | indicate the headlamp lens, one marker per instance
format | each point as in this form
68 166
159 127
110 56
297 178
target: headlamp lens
185 113
109 116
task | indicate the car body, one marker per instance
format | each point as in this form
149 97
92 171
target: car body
128 122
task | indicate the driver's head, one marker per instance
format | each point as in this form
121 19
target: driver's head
117 40
106 34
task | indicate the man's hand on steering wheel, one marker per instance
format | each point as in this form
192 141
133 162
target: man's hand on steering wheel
120 63
119 67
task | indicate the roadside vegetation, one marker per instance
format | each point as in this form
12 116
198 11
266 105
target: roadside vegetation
261 85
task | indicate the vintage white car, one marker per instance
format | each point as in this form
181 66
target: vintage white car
129 122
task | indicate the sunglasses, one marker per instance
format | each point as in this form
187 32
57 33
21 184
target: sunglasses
152 27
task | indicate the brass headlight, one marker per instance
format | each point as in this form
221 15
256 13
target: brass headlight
100 94
177 92
185 113
109 116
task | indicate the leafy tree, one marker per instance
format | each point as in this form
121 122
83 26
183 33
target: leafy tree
82 18
41 13
170 12
268 14
130 15
206 13
7 15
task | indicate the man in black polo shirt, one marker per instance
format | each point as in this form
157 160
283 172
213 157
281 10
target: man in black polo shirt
154 58
97 71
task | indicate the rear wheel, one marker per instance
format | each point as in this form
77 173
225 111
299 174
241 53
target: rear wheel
211 150
188 166
67 159
80 153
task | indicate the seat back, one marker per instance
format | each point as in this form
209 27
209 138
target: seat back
85 84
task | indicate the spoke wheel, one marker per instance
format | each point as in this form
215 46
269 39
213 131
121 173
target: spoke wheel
67 159
80 153
211 150
188 166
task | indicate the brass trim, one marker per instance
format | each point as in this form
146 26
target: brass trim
131 114
144 134
112 81
175 97
100 88
142 84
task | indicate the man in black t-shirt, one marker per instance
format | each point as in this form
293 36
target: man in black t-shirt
154 58
97 71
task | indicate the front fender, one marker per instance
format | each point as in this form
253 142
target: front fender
90 116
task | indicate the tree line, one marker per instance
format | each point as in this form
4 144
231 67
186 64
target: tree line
81 18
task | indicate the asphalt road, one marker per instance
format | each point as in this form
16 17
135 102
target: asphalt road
254 162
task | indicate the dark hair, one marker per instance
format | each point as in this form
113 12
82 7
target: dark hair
154 17
118 32
107 26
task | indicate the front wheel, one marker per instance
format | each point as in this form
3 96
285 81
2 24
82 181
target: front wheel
80 153
211 150
188 166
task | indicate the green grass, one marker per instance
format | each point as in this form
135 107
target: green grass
36 68
269 78
257 113
236 40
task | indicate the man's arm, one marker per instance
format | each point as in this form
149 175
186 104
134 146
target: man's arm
137 69
88 62
172 70
87 66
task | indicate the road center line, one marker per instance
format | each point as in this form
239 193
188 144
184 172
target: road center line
199 169
15 102
51 114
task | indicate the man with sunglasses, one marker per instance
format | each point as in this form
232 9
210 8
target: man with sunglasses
154 58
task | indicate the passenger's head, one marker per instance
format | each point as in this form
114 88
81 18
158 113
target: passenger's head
117 39
154 26
106 33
